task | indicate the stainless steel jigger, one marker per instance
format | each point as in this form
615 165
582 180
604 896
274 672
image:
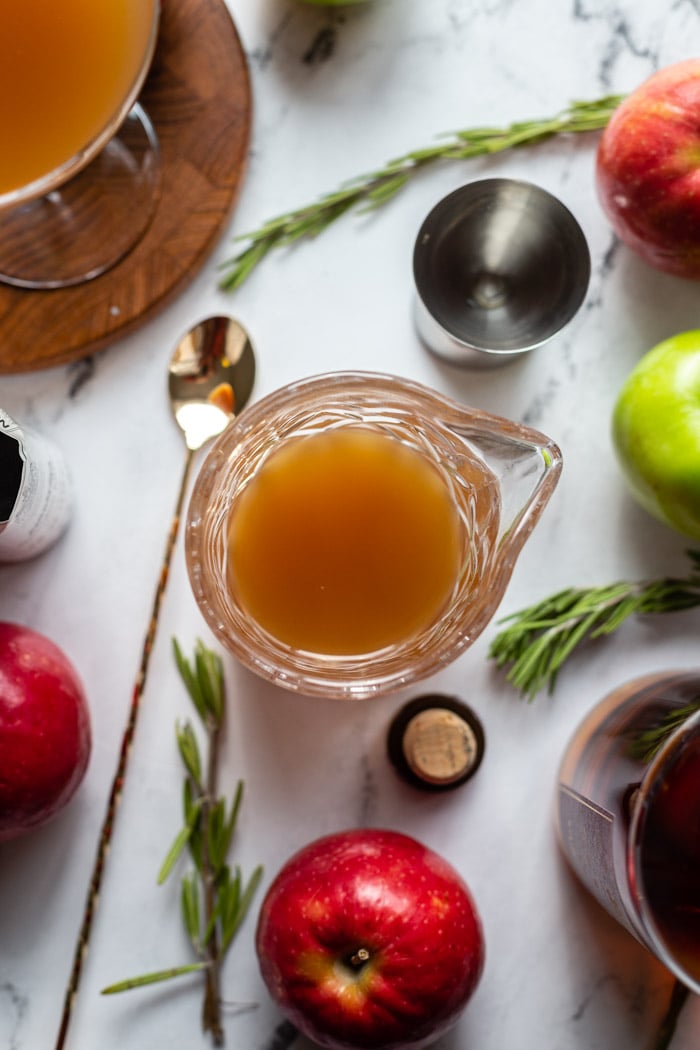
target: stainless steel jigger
500 266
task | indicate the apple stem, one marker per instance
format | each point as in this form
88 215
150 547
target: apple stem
359 958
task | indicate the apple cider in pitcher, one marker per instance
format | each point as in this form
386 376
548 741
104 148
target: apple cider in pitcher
345 542
354 532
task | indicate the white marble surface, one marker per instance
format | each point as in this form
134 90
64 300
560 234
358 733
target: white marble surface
336 93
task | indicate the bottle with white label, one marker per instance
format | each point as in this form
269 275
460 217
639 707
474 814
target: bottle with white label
35 491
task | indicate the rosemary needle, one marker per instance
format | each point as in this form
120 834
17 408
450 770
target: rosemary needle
539 639
645 745
377 187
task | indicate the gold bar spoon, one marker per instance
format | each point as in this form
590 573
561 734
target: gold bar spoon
210 379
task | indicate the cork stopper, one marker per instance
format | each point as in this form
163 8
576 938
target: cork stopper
436 742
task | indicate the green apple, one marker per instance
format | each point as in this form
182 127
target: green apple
656 432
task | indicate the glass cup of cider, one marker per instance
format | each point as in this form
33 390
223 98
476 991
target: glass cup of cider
354 532
79 172
628 813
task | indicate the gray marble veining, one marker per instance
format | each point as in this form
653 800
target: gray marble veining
338 92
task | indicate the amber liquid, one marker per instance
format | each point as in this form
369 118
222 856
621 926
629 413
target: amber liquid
66 69
345 542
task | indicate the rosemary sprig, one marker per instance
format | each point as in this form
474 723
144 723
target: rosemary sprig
214 900
644 746
377 187
539 639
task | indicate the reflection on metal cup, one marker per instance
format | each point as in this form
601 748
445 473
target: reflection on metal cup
628 813
500 266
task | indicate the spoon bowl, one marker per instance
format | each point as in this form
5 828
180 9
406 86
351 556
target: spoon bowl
210 378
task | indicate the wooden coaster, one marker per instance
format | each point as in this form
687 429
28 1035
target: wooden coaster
198 97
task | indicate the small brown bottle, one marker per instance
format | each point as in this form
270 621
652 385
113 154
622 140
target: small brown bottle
436 742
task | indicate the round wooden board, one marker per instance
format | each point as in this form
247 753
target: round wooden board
198 97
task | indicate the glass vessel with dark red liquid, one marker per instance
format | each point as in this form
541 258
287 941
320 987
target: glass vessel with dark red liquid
628 813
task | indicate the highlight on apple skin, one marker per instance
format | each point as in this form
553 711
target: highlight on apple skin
648 170
369 940
656 432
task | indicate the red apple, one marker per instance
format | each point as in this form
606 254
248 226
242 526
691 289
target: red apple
44 730
368 939
648 170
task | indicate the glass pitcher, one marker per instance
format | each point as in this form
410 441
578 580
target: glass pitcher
499 474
